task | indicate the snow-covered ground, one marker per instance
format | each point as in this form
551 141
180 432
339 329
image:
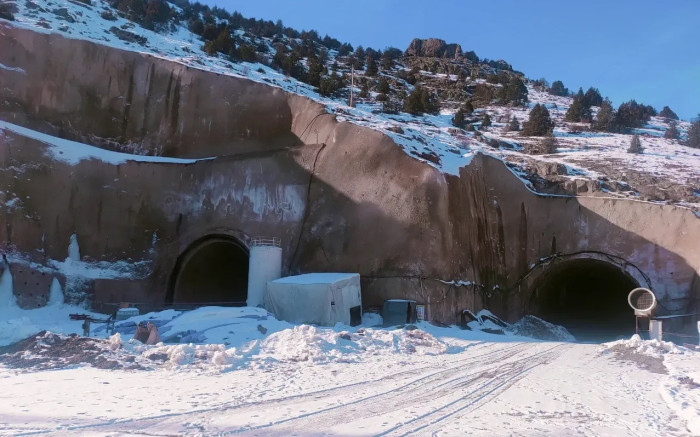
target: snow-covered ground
240 371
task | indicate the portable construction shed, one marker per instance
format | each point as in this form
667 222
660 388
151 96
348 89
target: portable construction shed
317 298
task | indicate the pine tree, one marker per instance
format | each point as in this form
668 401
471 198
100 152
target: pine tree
316 70
223 43
364 91
383 86
386 61
371 69
573 114
694 134
358 58
632 114
486 121
558 89
539 123
635 145
668 114
579 110
592 97
6 12
513 125
420 101
247 53
330 85
606 118
513 91
388 57
672 131
468 107
345 49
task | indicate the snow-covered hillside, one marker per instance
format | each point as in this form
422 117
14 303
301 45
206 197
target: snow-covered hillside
241 371
586 163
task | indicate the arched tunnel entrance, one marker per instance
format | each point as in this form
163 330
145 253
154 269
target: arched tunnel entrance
213 269
587 296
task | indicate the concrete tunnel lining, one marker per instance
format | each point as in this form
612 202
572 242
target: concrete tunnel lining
588 296
213 269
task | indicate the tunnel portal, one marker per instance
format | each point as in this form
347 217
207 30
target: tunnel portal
213 269
588 297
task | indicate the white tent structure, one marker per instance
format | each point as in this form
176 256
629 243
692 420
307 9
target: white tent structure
316 298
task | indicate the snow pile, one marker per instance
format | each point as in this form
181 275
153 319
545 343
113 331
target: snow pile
210 337
654 348
186 354
318 345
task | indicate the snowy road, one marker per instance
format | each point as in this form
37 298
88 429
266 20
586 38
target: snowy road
488 388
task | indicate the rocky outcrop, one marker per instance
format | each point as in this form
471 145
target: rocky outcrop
434 48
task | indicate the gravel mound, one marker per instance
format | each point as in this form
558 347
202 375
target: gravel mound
534 327
47 350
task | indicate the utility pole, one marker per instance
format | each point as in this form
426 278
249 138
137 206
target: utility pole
352 86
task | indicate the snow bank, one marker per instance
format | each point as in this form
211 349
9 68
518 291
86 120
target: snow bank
317 345
655 348
680 386
72 152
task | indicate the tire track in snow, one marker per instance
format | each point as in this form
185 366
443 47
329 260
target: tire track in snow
437 390
195 418
493 383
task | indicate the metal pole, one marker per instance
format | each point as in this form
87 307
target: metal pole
655 330
352 86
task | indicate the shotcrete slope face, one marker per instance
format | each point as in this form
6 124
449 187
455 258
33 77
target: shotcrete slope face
341 197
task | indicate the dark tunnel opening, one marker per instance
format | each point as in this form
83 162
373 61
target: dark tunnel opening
588 297
212 270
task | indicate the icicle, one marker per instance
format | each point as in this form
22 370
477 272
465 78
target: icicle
55 293
7 295
73 249
154 240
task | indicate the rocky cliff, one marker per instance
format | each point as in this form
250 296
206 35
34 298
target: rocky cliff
433 48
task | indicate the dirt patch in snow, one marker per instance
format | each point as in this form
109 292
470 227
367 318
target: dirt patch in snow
47 350
653 364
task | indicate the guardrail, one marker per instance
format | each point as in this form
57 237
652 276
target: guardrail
266 241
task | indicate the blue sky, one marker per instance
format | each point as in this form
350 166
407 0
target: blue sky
643 50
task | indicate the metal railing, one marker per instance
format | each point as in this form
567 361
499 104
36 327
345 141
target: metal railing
266 241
